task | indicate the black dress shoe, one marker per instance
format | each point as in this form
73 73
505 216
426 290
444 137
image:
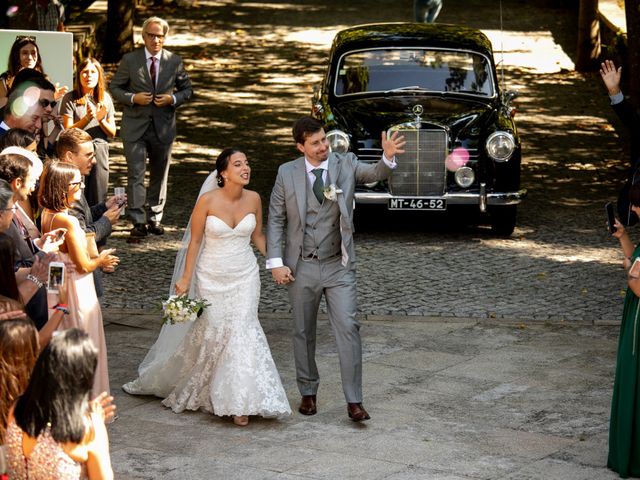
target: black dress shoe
155 228
139 230
356 412
308 405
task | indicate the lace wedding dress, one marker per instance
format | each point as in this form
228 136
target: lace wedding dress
223 364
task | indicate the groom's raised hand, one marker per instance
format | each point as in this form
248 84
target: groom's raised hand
282 275
392 145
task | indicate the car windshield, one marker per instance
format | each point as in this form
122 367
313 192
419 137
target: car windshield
397 69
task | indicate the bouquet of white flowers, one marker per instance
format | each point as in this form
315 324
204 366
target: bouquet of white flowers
181 309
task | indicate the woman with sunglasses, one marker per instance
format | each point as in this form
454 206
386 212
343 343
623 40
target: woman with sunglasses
24 54
90 108
60 186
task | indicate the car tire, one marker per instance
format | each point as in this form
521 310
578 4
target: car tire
503 220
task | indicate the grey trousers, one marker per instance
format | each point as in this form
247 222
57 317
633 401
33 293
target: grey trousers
338 284
159 155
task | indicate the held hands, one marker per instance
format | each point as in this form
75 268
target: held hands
282 275
611 76
392 145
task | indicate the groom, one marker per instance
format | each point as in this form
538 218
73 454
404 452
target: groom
313 196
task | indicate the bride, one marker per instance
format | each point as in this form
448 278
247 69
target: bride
221 363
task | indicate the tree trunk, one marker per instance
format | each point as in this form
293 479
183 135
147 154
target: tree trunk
588 36
632 9
25 18
119 36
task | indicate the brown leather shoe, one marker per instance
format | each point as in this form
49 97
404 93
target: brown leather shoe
308 405
356 412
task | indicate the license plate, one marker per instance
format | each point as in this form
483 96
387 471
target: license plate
417 204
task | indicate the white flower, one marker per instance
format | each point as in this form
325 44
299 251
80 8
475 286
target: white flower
181 309
331 192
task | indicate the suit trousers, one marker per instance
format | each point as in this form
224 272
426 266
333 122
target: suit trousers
159 155
338 284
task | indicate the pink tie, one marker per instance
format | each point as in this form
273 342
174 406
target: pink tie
152 72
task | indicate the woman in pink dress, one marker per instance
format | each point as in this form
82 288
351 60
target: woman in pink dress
60 186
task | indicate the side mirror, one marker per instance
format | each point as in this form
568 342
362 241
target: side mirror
508 96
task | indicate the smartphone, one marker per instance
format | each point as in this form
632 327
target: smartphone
60 234
56 276
611 218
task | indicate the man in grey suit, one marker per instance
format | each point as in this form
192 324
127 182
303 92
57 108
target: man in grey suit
313 197
150 83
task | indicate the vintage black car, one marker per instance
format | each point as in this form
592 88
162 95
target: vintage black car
437 84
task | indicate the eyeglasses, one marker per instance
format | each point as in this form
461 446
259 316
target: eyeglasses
45 103
29 38
76 184
12 209
153 36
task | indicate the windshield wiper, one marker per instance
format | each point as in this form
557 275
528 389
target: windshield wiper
473 92
413 87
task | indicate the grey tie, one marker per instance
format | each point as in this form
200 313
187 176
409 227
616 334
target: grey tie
318 185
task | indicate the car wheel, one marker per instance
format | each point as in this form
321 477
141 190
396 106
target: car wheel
503 220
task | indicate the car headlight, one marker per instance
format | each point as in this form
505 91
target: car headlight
338 141
500 146
464 177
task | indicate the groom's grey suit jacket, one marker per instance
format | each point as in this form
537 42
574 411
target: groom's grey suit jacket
288 205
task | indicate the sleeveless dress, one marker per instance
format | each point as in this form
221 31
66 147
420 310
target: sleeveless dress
47 461
223 365
624 427
85 313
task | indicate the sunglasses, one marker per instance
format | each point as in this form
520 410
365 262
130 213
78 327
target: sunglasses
76 184
45 103
29 38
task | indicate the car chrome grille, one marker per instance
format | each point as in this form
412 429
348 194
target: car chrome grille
421 169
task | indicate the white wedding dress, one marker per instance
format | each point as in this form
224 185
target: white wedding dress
222 363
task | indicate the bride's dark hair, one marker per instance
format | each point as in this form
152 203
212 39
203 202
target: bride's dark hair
222 162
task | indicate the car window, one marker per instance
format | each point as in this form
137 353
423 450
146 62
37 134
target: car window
382 70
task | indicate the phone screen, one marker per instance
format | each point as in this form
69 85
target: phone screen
611 219
56 276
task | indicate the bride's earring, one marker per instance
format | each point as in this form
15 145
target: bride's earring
220 181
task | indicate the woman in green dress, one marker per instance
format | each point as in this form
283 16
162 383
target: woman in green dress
624 429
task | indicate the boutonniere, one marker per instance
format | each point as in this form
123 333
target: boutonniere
331 192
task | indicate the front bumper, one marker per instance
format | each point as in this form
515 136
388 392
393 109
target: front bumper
482 199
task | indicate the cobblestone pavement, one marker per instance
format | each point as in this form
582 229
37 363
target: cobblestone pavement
254 65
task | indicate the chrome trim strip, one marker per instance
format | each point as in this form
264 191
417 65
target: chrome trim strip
504 198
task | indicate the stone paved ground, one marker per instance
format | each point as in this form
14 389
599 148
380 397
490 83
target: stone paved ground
484 358
253 67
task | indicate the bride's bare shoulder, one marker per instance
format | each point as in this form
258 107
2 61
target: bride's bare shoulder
252 195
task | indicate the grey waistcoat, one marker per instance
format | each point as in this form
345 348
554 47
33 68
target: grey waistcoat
322 228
